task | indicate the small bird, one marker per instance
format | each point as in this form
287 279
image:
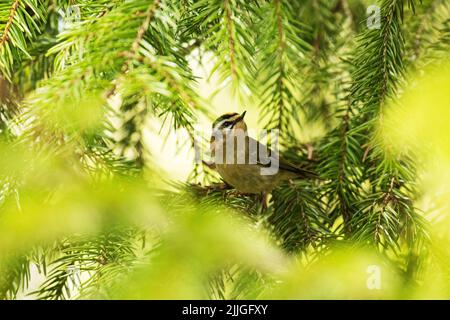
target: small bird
248 165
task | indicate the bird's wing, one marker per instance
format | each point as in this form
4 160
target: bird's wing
267 156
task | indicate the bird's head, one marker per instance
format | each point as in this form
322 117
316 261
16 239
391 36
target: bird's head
230 121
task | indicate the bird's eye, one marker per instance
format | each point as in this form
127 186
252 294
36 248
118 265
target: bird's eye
227 123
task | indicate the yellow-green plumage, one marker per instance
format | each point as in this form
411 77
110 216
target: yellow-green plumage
247 175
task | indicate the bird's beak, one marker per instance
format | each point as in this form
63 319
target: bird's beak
242 115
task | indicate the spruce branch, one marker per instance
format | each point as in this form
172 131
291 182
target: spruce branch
140 34
230 34
281 53
228 25
380 65
9 23
21 21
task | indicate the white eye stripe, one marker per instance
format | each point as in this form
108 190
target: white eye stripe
221 124
230 118
231 122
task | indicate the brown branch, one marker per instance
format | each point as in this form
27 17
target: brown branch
8 26
231 40
346 215
343 149
135 45
366 152
384 84
281 46
385 201
141 31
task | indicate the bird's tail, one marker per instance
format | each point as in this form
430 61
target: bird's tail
299 172
307 174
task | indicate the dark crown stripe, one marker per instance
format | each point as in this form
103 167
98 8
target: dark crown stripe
224 117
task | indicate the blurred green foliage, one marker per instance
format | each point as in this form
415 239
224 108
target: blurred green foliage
177 246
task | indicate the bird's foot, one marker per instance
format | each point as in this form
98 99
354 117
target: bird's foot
264 200
217 187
